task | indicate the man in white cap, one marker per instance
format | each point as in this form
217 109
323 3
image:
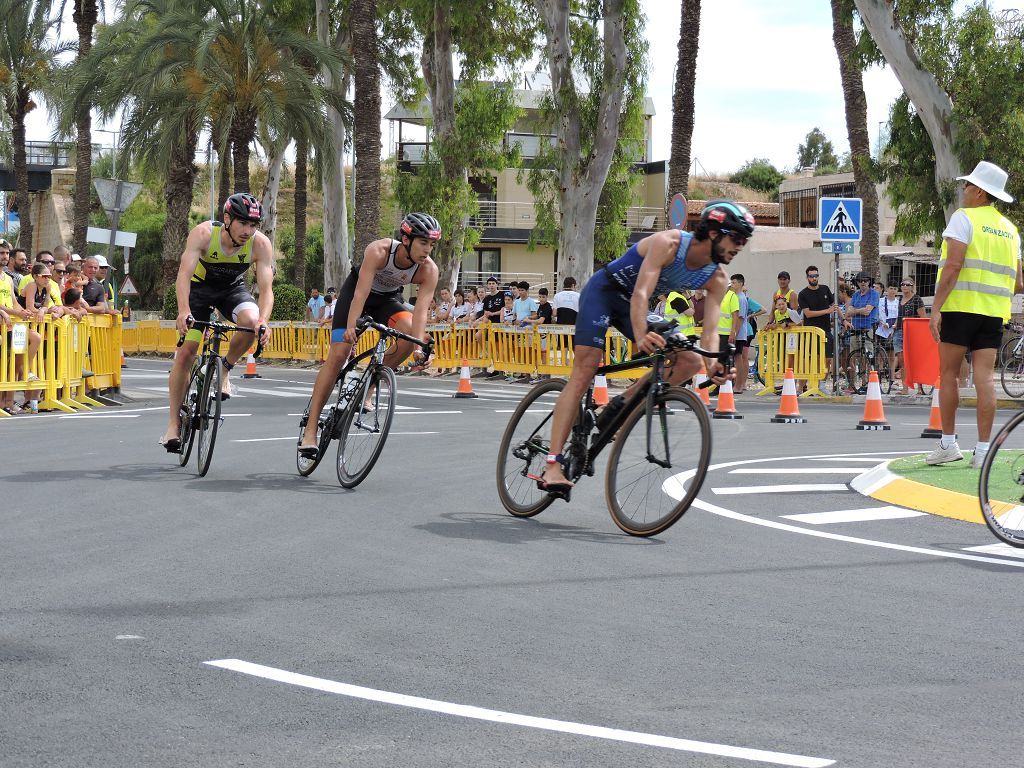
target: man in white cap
104 277
979 272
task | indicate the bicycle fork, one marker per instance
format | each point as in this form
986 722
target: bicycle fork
665 463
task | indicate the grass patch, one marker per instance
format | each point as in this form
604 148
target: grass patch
961 477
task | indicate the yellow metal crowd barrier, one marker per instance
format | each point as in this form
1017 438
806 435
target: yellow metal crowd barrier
800 348
57 361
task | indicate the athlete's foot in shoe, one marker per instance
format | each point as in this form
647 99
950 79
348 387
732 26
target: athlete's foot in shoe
553 478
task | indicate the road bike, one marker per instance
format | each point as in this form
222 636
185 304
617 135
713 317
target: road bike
865 359
661 445
361 414
1001 483
1011 362
199 412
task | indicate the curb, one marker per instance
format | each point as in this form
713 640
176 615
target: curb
882 485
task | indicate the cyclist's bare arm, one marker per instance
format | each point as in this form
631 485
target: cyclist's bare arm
196 245
374 258
716 288
426 280
263 264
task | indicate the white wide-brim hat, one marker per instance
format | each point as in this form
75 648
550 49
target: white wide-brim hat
991 178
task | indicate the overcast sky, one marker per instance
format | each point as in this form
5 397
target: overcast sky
767 74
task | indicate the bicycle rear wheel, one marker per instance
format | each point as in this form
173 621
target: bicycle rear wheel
209 415
648 490
1001 484
882 366
187 414
324 428
365 425
1011 370
858 372
523 450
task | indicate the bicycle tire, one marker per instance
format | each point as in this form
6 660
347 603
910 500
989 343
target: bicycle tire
356 457
187 414
858 371
1011 372
209 415
1001 484
882 366
530 436
672 497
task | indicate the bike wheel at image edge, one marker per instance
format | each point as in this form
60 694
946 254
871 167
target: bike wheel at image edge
209 417
523 451
645 497
364 426
323 437
1001 484
187 414
1011 369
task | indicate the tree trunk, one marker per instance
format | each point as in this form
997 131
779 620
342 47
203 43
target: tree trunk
21 172
582 176
181 176
682 99
223 177
857 130
243 131
439 74
932 103
367 125
301 166
275 152
84 15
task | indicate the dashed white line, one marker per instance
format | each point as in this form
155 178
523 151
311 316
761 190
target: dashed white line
796 470
797 488
855 515
512 718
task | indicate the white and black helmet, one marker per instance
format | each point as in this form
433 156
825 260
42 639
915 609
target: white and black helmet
421 225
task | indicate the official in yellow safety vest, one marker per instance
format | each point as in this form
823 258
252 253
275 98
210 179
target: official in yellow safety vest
679 306
979 272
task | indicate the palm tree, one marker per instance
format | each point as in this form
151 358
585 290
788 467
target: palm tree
301 173
682 98
857 129
367 124
85 16
27 63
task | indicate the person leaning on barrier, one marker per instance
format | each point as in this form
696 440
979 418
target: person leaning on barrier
979 272
94 292
818 306
618 296
567 302
52 286
17 265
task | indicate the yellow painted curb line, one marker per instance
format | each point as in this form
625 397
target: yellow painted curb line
881 484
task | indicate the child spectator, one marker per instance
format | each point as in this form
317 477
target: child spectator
460 309
567 303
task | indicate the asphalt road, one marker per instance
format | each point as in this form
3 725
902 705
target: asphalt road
412 622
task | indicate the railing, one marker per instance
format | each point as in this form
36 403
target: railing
529 143
524 216
54 154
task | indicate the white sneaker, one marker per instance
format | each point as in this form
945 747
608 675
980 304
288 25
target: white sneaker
944 455
978 459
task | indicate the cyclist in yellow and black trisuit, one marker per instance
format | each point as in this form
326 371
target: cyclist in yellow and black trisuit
212 276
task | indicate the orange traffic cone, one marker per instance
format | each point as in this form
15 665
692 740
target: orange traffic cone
600 390
123 364
934 428
726 403
874 417
702 391
465 382
789 408
250 368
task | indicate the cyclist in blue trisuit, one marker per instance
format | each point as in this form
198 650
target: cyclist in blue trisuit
619 296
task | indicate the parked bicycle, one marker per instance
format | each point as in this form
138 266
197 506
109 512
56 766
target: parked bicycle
361 414
1011 361
1001 483
868 357
659 457
200 410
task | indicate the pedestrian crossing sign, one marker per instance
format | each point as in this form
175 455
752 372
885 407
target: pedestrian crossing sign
840 218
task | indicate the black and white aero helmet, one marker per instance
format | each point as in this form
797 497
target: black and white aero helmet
421 225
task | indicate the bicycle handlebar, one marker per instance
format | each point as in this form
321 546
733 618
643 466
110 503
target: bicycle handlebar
224 328
366 322
677 343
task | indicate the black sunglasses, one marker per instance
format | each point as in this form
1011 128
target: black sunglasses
813 277
737 238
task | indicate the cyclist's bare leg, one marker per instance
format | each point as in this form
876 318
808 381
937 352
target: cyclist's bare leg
325 381
239 345
177 382
585 364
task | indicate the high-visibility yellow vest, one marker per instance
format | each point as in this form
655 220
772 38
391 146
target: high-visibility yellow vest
730 304
986 282
686 322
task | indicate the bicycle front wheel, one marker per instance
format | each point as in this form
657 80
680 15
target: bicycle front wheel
365 425
209 415
654 474
524 449
882 367
187 414
859 371
1001 484
1011 370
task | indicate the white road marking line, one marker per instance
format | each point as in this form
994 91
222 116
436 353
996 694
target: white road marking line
293 437
855 515
797 471
271 392
513 410
129 637
800 488
871 460
998 549
143 375
100 416
679 481
511 718
423 413
233 415
60 415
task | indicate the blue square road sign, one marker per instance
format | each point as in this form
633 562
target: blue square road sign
840 218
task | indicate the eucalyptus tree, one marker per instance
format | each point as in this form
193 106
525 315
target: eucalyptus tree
851 74
682 98
28 62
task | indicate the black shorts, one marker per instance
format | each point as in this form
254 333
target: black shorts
203 298
740 344
966 329
380 306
